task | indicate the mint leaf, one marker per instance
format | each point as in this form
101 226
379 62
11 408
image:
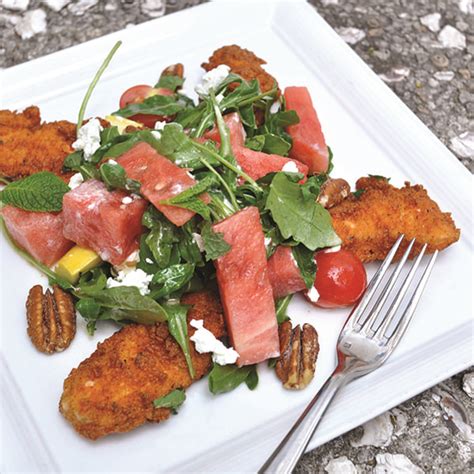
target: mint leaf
173 400
304 220
40 192
214 244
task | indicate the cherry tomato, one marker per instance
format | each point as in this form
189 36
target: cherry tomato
137 94
340 279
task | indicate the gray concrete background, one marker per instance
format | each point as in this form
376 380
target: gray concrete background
424 50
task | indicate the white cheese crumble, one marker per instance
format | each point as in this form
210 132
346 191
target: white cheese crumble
127 200
149 261
76 180
131 277
199 241
205 341
212 79
290 167
313 294
275 107
88 138
267 241
112 162
333 249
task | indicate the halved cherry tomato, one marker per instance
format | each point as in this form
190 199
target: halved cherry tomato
137 94
340 279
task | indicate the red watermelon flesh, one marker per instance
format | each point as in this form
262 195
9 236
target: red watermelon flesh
160 179
237 132
258 164
245 289
97 219
39 233
284 274
309 145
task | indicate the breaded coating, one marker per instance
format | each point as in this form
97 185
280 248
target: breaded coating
370 224
28 146
113 390
243 62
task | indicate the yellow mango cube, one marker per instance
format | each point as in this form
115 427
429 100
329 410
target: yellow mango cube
78 260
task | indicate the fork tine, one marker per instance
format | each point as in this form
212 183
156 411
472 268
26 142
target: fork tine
402 325
374 284
400 295
366 327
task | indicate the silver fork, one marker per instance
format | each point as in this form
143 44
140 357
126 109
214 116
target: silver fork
365 343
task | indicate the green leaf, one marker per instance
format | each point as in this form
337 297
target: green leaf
88 308
305 221
281 119
330 164
40 192
172 400
130 303
281 309
269 143
171 279
178 327
169 82
73 160
109 134
379 177
214 244
161 105
256 143
160 241
92 281
225 378
247 115
306 264
113 175
89 171
357 194
312 187
245 92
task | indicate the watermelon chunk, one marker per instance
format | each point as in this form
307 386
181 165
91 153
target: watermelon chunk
258 164
237 132
309 145
284 274
39 233
97 219
245 289
160 179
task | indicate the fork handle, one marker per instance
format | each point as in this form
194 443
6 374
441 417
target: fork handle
283 460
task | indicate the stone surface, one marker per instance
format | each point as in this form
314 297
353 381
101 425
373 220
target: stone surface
401 41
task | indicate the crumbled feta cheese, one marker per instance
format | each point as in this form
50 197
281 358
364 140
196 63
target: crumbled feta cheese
156 134
205 341
333 249
76 180
199 241
88 138
275 107
160 125
112 162
134 257
290 167
18 5
149 261
313 295
267 241
212 79
31 23
131 277
127 200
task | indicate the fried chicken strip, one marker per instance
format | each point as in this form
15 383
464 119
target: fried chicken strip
369 224
113 390
28 146
243 62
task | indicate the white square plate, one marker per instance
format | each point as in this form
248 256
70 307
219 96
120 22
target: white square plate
369 130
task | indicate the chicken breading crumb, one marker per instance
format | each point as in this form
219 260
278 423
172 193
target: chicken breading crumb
113 390
28 146
370 223
242 62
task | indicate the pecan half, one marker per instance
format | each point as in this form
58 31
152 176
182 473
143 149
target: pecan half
174 70
333 192
51 319
298 353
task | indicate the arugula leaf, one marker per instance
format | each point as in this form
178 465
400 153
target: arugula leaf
172 400
89 171
178 327
92 281
247 115
160 241
113 175
73 160
90 310
379 177
171 279
161 105
306 264
214 244
330 164
269 143
281 119
127 303
357 194
281 308
39 192
170 82
224 378
312 187
304 220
